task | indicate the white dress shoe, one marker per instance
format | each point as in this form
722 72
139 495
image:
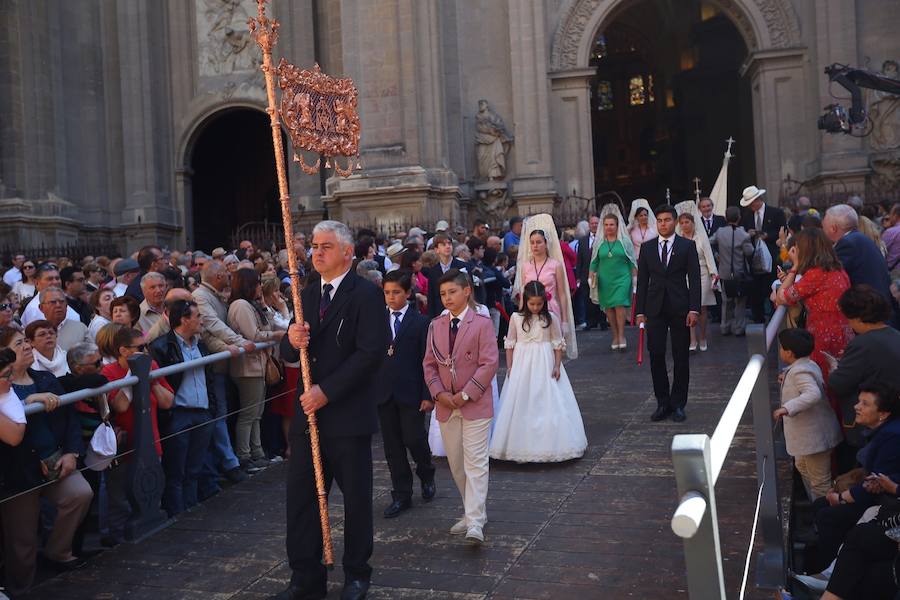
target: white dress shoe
459 527
703 346
475 536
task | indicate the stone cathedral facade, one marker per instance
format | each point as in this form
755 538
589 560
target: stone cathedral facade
139 120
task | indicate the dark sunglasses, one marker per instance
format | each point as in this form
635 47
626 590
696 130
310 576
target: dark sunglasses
7 306
139 348
47 267
27 266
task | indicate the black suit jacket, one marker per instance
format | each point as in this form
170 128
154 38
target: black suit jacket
434 274
583 259
773 221
345 351
401 375
718 221
674 289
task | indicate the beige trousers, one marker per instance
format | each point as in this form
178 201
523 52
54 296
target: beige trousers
72 498
247 440
466 443
815 469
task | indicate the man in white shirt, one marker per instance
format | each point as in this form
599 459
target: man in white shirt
47 277
15 273
69 331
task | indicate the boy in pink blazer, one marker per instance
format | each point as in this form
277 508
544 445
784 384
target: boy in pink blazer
460 361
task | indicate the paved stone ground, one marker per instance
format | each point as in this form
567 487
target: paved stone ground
592 528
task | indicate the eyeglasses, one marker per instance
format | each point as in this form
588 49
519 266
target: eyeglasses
6 376
96 364
27 266
139 348
7 306
47 267
56 301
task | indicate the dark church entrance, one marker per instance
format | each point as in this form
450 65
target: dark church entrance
667 94
234 181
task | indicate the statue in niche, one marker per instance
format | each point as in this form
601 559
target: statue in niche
885 113
493 203
492 143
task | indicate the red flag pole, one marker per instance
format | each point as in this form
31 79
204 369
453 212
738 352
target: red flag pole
640 352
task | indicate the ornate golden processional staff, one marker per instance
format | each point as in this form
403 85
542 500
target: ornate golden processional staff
320 115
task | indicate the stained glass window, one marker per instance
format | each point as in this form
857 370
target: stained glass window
600 49
604 95
636 91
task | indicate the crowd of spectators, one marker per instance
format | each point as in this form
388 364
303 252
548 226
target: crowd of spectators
69 325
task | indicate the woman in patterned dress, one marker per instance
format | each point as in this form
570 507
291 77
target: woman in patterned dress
822 281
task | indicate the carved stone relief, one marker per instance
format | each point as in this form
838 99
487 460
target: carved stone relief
224 45
780 21
884 110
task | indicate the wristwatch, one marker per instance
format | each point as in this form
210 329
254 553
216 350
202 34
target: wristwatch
465 396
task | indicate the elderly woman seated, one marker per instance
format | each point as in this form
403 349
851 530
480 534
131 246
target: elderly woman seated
48 356
48 453
877 409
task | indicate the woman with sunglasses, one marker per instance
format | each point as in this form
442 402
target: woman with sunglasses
128 342
7 311
48 453
24 288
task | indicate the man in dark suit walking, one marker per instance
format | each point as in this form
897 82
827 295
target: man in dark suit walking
591 312
403 396
347 336
762 222
668 301
711 222
443 247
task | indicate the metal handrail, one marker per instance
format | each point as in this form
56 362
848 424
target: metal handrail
699 460
73 397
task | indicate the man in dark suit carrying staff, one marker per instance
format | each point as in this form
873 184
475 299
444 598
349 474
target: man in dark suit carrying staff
347 337
668 301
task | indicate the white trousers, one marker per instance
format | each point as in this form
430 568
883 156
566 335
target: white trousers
466 443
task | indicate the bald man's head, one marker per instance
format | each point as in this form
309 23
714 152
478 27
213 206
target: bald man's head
215 273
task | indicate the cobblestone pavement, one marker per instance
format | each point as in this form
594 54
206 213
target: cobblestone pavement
591 528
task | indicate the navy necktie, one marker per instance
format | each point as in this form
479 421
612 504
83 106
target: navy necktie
397 314
326 300
454 329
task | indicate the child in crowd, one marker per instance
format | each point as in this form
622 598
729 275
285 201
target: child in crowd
810 429
460 359
403 396
539 419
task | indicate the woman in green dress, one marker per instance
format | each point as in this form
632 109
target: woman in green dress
611 272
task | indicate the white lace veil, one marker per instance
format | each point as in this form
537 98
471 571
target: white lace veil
545 223
624 237
700 237
632 219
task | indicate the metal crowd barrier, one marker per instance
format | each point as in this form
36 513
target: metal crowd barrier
698 461
145 478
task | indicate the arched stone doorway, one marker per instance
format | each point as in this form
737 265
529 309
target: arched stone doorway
666 94
773 70
233 180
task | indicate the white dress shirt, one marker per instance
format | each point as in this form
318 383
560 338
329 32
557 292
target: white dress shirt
393 318
12 276
335 284
665 259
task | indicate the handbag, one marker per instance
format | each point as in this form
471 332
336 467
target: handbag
274 372
761 261
847 480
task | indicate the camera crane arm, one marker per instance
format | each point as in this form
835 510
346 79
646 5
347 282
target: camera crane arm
853 80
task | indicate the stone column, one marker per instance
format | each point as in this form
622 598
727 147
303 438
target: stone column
573 163
780 122
532 181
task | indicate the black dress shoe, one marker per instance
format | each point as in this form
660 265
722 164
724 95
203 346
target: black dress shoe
295 592
428 490
678 415
397 507
355 589
661 413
